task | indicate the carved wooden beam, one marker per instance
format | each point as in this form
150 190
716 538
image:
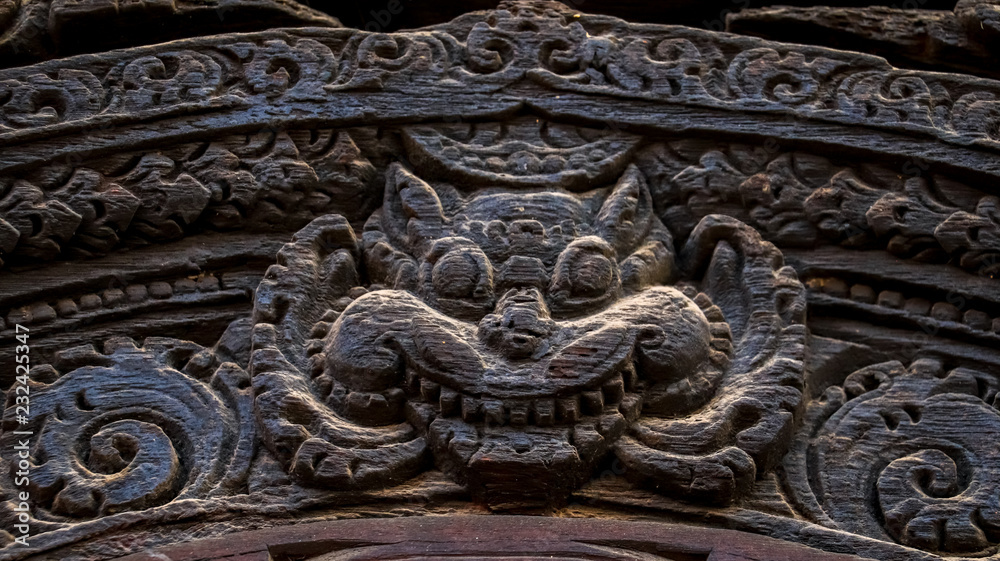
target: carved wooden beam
531 264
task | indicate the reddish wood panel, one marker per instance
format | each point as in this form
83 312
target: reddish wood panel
489 537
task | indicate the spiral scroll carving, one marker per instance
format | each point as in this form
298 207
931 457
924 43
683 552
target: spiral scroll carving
127 430
907 455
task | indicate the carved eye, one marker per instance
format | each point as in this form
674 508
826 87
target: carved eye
462 273
591 274
584 272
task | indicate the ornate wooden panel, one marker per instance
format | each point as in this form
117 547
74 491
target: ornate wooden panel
530 284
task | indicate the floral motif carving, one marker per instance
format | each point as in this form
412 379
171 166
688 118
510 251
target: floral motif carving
576 52
257 181
802 199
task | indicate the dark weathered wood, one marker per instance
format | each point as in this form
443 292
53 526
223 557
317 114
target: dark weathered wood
36 30
529 262
960 41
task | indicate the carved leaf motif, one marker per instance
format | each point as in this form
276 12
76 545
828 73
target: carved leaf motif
192 77
170 201
764 74
373 61
909 219
688 192
259 182
839 208
977 114
298 70
776 198
909 99
671 67
801 198
44 225
106 208
974 237
40 99
234 191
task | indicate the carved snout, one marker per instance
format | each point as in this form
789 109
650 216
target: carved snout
520 324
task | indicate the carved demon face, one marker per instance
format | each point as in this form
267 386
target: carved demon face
520 309
519 335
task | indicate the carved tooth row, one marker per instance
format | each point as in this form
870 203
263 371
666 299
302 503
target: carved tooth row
942 311
631 406
411 382
540 412
448 401
470 408
42 312
592 438
545 412
379 407
592 402
495 412
322 327
631 378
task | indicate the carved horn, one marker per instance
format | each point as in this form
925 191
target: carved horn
625 216
413 210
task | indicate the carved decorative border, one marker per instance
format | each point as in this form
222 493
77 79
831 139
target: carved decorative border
490 52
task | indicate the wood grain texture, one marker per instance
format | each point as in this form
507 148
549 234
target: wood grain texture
962 40
35 30
659 292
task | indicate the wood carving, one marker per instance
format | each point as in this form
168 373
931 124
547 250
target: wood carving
517 332
892 428
622 291
151 434
144 197
803 199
